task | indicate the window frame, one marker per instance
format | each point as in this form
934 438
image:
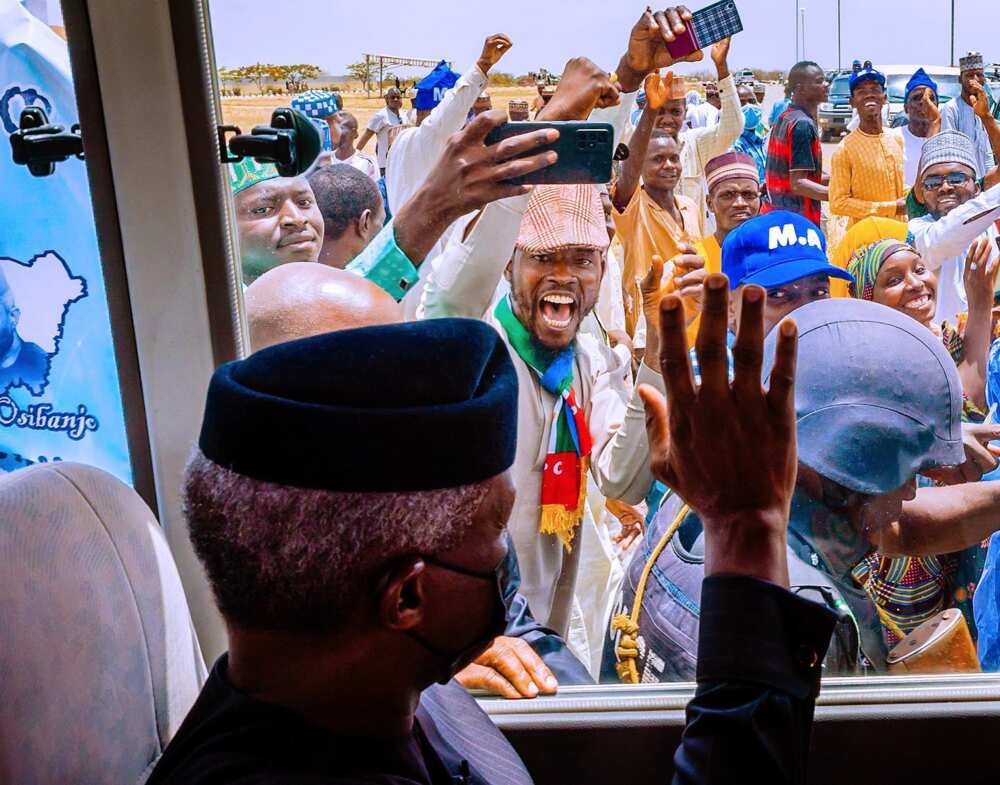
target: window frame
154 166
177 36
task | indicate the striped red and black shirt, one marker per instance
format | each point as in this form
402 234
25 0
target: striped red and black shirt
794 146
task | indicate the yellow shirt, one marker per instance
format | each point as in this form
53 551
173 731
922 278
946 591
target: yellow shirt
866 176
707 248
644 229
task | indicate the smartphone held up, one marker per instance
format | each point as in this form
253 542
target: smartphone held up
585 151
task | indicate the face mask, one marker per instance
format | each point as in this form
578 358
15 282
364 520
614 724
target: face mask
751 118
454 661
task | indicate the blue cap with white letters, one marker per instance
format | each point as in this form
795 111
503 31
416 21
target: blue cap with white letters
774 249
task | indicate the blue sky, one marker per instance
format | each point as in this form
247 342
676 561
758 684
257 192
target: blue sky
333 33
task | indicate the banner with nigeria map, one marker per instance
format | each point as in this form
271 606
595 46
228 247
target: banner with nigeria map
59 394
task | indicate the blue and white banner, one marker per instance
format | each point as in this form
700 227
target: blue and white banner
59 393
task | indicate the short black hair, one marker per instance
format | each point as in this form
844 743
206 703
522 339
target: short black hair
342 194
798 72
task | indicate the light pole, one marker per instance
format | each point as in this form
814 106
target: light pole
952 61
803 12
838 35
797 58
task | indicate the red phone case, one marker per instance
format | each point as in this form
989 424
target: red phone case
684 44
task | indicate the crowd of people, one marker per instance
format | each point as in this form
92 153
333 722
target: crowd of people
477 405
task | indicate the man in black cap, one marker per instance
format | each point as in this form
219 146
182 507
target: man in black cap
302 299
349 587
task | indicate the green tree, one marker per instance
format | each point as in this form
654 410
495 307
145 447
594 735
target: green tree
300 74
361 71
256 73
502 79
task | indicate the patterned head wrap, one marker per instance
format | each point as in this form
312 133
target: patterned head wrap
248 172
559 216
866 263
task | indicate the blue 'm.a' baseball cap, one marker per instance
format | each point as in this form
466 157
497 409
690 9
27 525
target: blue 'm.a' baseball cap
774 249
866 75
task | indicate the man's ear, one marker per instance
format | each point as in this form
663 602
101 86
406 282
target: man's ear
508 272
918 192
401 595
364 223
15 315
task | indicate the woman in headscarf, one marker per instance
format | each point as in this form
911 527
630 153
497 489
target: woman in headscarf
892 273
864 232
909 590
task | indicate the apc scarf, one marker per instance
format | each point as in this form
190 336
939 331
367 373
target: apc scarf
564 479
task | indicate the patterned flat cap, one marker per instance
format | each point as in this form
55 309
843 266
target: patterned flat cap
559 216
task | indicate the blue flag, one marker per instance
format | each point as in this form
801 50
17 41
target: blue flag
431 89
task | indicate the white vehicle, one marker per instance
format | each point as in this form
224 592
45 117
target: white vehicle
896 77
837 117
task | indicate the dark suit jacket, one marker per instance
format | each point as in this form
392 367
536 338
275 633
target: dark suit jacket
759 653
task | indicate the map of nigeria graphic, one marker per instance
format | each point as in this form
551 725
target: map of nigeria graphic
35 297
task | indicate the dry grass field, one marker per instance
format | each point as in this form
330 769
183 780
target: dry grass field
248 112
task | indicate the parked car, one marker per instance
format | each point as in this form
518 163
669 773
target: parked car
835 114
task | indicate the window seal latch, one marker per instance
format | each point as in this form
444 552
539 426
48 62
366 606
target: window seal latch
40 145
291 142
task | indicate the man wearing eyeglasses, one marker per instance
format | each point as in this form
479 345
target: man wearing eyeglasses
959 211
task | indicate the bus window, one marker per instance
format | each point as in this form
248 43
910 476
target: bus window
376 98
60 398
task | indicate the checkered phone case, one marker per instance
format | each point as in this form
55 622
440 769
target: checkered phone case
715 22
